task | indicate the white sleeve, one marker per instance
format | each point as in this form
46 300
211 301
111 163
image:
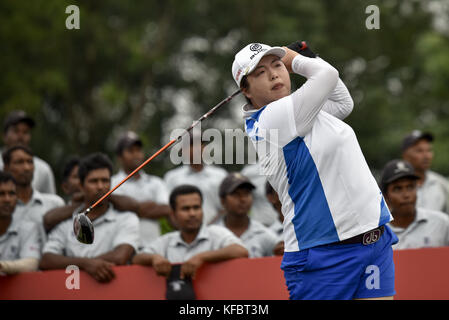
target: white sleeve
127 231
295 114
31 244
340 103
224 237
56 242
268 241
157 246
162 192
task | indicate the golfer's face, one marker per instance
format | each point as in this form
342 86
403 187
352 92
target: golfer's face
270 81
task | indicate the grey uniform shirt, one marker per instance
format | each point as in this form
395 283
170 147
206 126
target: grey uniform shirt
429 229
112 229
43 178
207 180
172 247
258 239
262 210
20 241
277 227
434 193
36 208
146 188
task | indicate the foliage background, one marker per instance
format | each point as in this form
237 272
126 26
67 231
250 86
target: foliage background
153 66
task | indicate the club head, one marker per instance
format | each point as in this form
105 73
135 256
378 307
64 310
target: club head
83 228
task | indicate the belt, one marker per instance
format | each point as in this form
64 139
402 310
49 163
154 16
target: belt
366 238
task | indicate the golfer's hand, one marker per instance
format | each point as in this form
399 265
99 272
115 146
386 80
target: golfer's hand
99 269
288 58
161 265
189 268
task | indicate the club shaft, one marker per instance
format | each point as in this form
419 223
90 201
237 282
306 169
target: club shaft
164 148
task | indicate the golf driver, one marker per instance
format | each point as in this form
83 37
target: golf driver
83 227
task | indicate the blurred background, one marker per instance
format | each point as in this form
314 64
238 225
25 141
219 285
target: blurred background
154 66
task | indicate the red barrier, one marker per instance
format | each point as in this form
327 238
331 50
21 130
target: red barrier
420 274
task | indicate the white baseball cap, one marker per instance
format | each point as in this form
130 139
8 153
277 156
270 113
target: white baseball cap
247 59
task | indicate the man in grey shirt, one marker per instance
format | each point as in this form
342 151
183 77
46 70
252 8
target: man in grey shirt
116 234
17 131
31 204
206 176
148 190
236 197
415 227
19 241
194 243
433 188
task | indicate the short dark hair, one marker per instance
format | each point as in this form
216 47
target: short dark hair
244 84
70 163
92 162
6 177
6 155
182 190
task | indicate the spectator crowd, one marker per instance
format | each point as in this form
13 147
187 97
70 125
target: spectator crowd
214 215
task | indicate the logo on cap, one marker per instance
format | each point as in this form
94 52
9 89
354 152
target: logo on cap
255 47
401 167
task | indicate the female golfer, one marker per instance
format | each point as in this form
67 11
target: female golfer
336 243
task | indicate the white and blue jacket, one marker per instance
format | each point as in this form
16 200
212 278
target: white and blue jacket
314 162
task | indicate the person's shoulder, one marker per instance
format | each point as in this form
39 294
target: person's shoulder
125 216
64 227
216 170
38 162
438 177
51 198
216 229
259 227
27 226
257 224
435 216
166 238
117 176
174 172
154 179
250 170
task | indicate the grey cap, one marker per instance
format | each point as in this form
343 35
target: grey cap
412 138
16 117
127 140
395 170
232 182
